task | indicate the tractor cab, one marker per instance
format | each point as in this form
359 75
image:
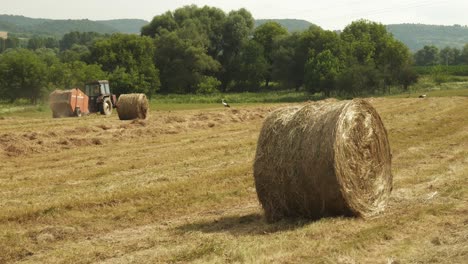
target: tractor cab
97 88
100 97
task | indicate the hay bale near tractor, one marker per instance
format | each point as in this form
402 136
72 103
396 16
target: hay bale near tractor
323 159
132 106
67 103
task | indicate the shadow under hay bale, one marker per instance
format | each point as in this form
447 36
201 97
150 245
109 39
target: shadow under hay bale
132 106
323 159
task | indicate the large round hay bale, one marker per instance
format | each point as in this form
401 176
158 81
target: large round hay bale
132 106
59 102
323 159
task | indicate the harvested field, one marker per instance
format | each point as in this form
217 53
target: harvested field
178 187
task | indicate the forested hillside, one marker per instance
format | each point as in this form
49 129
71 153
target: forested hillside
292 25
52 27
416 36
57 28
130 26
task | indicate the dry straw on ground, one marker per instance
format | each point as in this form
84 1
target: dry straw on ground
323 159
132 106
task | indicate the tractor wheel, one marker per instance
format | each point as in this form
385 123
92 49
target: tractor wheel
106 107
77 112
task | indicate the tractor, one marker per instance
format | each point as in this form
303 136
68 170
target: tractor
100 97
96 98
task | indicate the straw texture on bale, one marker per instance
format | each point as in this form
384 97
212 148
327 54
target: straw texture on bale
132 106
59 103
323 159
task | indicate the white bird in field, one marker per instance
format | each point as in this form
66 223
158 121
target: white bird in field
224 103
422 96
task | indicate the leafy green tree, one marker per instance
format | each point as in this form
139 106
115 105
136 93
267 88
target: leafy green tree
131 54
359 79
369 45
322 72
22 75
236 31
393 63
407 77
449 56
292 54
308 41
74 74
464 55
36 43
76 53
164 22
41 42
438 74
208 85
427 56
123 81
204 26
48 56
366 39
457 54
251 67
192 38
266 35
9 43
367 42
51 43
79 38
207 22
206 37
182 65
286 69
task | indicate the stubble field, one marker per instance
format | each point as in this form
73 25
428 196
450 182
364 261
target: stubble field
179 188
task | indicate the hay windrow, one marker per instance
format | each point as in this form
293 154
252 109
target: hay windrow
323 159
132 106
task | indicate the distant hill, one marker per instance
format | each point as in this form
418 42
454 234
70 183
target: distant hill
416 36
292 25
130 26
22 21
61 27
53 27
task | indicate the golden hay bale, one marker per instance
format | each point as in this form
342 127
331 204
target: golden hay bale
323 159
132 106
59 102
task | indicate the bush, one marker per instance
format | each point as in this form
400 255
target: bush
438 75
457 70
208 85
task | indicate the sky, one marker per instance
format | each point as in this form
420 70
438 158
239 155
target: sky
328 14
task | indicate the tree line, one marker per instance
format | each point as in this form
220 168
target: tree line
205 50
430 55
